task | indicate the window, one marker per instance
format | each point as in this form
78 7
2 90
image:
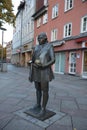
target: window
38 22
55 11
83 0
45 2
54 34
67 30
68 4
37 43
84 24
28 26
29 3
45 18
32 25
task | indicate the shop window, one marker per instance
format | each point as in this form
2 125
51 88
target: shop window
85 62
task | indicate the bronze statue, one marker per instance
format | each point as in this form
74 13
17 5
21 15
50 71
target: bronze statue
42 59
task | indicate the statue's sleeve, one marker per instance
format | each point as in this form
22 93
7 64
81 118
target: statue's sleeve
50 56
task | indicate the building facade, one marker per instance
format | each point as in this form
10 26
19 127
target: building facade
9 51
65 23
23 35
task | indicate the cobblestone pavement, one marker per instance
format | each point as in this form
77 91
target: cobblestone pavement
67 94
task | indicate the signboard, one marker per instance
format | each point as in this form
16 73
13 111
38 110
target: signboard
84 44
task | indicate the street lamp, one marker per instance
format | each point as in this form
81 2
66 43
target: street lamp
3 29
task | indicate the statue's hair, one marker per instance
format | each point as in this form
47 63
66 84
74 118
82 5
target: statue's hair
42 35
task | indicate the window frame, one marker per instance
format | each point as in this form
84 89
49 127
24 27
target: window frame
54 34
54 12
45 2
67 31
68 4
45 18
82 26
37 43
38 22
83 0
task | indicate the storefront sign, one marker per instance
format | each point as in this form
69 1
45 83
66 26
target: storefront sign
58 43
78 56
84 44
18 50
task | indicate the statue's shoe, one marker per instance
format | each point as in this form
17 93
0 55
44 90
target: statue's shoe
37 108
42 113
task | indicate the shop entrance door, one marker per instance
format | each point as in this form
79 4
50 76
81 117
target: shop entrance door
72 63
60 62
85 64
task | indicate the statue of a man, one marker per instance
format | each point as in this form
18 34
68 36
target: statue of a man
42 59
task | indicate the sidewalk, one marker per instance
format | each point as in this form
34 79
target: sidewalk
67 94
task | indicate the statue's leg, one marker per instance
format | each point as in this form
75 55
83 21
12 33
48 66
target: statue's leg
38 95
45 90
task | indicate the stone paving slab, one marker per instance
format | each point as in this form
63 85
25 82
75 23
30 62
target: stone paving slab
4 121
79 123
18 123
67 94
69 105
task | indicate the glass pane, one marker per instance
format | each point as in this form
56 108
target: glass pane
70 3
57 63
73 62
62 64
85 61
71 70
74 70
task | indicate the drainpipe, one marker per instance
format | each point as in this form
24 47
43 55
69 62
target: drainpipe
21 39
3 29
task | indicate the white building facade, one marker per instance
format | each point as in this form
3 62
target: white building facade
23 35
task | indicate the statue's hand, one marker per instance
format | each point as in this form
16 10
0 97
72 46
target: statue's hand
37 61
29 62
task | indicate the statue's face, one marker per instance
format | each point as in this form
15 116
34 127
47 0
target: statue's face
41 41
42 38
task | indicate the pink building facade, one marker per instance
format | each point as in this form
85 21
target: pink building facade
65 23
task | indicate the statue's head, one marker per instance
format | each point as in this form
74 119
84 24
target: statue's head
42 38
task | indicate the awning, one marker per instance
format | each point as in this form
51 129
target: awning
58 43
82 39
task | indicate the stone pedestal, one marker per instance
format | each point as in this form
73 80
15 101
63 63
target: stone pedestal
42 123
34 113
